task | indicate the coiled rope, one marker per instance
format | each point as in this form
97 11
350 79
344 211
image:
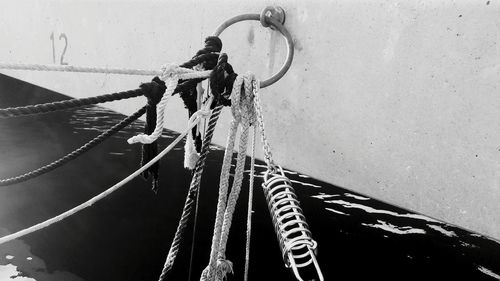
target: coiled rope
249 209
212 42
170 74
193 121
84 148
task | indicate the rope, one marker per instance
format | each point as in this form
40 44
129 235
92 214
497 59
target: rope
170 74
67 104
249 211
72 68
206 57
190 199
91 69
242 111
149 151
195 119
84 148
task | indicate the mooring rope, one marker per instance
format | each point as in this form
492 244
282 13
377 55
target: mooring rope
72 68
77 152
243 113
206 57
190 199
67 104
221 85
171 74
250 203
194 120
181 73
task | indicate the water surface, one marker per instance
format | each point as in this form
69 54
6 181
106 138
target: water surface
127 235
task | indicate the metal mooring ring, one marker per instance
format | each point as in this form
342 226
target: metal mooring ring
274 17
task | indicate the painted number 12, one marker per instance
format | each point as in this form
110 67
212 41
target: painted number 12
61 36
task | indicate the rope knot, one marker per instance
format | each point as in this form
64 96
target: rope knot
221 81
223 267
170 71
154 90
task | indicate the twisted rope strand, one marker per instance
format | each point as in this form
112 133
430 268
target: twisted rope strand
160 118
72 103
223 187
242 110
250 203
84 69
190 199
245 107
67 104
195 118
84 148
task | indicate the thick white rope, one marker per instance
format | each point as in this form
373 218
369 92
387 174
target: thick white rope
191 156
171 74
250 203
244 114
197 116
87 69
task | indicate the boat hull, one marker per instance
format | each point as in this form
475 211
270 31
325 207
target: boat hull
396 100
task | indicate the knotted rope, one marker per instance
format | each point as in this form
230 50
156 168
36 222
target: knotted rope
149 151
84 148
73 68
243 113
72 103
171 75
206 57
191 97
221 85
67 104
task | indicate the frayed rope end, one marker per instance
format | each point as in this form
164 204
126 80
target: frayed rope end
190 154
142 138
223 268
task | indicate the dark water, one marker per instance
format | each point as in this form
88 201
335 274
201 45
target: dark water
127 235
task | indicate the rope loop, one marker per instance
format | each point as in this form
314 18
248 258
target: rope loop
222 81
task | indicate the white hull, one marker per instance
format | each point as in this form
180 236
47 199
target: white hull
394 99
